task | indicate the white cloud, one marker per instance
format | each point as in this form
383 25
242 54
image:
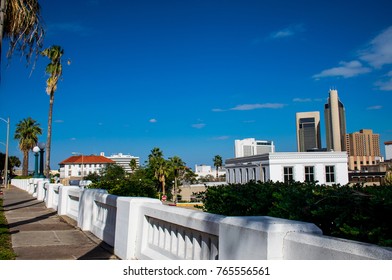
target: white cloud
247 107
152 120
345 70
59 121
376 107
302 100
379 52
288 32
305 100
198 125
217 110
386 83
225 137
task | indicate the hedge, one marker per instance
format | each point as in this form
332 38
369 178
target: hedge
352 212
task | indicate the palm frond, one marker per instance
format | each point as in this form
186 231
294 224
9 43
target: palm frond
23 26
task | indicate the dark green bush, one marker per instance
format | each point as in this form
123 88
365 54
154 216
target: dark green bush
127 187
353 212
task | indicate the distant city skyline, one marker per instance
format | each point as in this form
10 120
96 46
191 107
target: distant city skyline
190 77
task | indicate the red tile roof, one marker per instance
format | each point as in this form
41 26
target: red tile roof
86 160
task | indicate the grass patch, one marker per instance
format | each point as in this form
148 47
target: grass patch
6 252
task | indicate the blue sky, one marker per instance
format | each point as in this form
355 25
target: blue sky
190 77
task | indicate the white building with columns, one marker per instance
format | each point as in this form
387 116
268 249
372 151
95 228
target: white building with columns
324 167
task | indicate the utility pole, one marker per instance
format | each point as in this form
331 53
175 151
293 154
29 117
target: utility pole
6 152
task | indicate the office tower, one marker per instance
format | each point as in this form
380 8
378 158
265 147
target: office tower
363 148
388 150
308 131
335 123
251 146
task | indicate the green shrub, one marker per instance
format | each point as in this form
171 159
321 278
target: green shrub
127 187
351 212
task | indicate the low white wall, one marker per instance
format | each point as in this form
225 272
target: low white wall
177 233
257 238
301 246
143 228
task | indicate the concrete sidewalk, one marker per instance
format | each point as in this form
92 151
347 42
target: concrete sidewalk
38 233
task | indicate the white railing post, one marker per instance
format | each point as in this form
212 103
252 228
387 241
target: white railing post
52 191
41 190
86 204
63 199
128 222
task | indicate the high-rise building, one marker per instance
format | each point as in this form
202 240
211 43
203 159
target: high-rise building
124 161
251 146
388 150
363 148
335 123
308 131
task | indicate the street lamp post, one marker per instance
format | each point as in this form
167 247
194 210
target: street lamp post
6 152
41 147
36 150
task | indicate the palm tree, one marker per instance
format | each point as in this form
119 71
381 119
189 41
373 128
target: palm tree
13 162
21 23
159 166
27 131
217 163
133 165
176 166
54 69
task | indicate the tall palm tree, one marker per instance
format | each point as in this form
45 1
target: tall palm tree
21 23
133 165
217 163
176 166
55 70
159 166
27 131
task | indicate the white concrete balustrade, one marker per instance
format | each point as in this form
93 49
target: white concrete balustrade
144 228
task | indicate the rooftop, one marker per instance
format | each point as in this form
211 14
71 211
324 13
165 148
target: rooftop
82 159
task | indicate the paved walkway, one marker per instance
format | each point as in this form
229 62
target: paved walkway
38 233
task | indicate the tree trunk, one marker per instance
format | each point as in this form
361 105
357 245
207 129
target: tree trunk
2 24
163 184
49 136
25 168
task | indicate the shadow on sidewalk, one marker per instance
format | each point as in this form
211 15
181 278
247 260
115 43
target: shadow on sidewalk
26 206
19 202
33 220
101 252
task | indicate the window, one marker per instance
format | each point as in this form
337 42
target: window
288 174
330 174
309 173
